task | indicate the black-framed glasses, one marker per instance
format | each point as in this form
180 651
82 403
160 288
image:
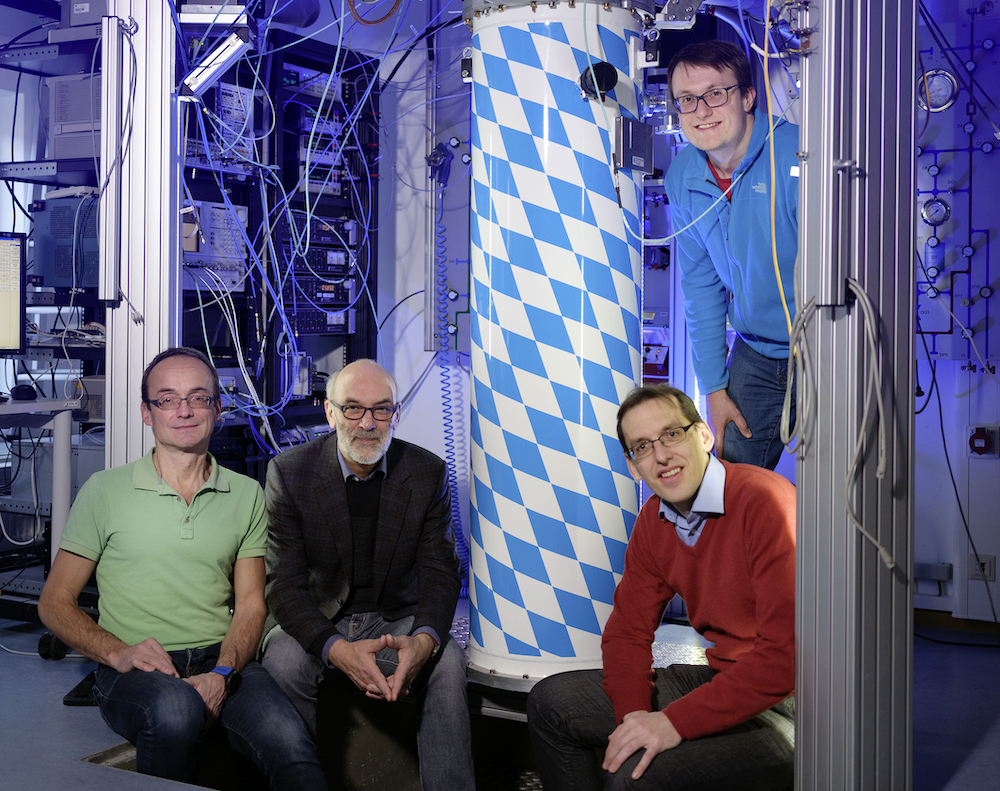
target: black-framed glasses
716 97
171 403
356 411
672 436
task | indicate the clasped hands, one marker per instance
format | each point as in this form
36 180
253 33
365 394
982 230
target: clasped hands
357 660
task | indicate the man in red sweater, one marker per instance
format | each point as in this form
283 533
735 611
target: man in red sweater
722 536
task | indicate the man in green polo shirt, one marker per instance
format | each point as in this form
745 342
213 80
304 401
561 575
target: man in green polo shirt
174 538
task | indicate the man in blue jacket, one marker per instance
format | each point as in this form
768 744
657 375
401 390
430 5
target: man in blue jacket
719 189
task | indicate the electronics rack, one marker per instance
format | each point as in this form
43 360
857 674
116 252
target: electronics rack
327 102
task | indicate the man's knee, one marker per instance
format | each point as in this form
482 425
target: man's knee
290 665
173 713
450 667
543 705
447 680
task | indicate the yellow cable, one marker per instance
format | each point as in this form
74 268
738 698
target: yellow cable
774 235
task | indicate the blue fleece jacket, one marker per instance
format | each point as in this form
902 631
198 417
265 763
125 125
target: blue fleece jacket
729 249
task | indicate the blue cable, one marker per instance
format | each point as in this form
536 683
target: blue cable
440 172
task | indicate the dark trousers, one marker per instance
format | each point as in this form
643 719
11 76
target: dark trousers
165 717
570 717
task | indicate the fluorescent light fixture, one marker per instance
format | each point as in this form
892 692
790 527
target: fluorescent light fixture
217 63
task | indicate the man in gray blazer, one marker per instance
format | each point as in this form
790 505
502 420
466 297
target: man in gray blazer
362 574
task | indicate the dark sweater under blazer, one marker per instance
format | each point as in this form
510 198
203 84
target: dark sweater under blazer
310 552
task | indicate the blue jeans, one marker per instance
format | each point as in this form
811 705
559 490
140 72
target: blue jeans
444 739
164 717
570 717
757 387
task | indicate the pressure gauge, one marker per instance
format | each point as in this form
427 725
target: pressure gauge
940 86
935 211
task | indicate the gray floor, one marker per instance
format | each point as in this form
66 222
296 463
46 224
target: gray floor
956 729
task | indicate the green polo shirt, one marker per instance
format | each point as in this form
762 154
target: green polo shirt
164 568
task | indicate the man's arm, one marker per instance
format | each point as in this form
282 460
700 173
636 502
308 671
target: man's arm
58 609
287 590
763 549
243 636
627 648
436 563
706 300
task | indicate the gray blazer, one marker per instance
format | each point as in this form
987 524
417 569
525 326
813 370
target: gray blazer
309 547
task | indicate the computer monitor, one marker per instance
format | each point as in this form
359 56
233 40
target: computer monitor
13 339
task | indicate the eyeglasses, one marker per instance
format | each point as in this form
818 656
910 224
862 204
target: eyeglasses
356 411
713 98
171 403
672 436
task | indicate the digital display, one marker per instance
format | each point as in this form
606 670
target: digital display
12 293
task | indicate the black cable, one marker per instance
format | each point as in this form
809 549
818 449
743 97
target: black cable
25 368
956 642
421 37
387 315
933 365
958 502
27 33
13 135
959 70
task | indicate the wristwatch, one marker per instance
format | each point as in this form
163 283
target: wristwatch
233 678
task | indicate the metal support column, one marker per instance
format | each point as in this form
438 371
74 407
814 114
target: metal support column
857 226
146 318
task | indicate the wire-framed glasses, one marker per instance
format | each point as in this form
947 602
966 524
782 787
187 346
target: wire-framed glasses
672 436
716 97
356 411
171 403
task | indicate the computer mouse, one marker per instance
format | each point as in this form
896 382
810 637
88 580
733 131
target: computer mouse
23 393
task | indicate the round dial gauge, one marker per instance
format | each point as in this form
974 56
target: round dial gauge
935 211
940 86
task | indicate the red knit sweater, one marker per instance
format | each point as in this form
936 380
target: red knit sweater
738 582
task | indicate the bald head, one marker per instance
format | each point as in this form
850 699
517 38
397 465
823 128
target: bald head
363 387
365 372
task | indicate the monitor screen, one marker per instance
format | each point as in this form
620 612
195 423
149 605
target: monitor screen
12 293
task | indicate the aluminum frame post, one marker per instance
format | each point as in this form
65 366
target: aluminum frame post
147 317
854 618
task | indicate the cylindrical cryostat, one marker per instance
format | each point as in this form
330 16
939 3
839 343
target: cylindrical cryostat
556 331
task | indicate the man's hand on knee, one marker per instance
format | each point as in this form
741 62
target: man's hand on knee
357 660
649 730
212 688
147 656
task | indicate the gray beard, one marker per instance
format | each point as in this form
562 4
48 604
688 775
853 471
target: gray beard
361 455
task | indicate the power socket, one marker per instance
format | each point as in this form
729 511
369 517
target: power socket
984 569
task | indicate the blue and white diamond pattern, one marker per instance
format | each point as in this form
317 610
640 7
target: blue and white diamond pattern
556 331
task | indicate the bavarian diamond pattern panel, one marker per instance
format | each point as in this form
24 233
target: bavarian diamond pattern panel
556 331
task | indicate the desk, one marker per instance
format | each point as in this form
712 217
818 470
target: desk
55 414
